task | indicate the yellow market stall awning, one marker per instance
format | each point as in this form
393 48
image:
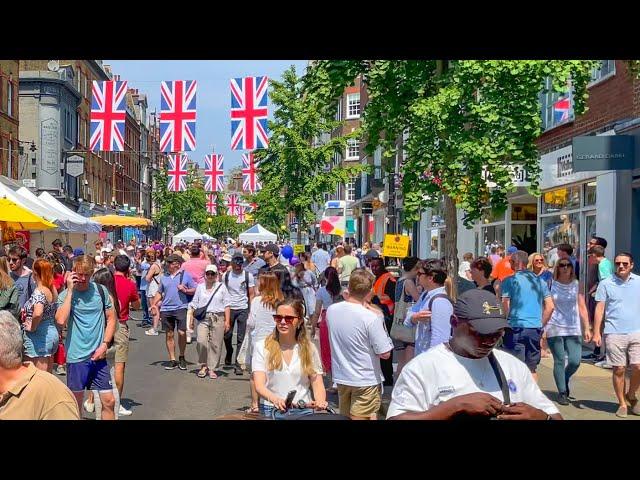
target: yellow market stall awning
18 218
121 221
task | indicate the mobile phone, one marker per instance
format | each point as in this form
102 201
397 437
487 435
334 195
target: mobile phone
289 400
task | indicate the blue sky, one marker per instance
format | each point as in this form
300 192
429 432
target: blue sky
213 127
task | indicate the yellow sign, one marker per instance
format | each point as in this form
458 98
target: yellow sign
298 249
395 246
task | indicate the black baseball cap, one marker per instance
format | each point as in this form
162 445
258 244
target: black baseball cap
482 310
272 247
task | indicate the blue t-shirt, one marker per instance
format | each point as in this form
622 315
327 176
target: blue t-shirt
22 285
144 269
622 304
86 322
526 292
172 298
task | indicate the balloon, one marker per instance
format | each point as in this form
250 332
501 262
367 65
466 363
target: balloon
294 261
287 252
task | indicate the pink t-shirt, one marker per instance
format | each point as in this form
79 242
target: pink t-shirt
196 268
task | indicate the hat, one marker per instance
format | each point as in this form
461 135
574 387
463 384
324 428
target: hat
512 250
174 258
372 254
226 258
211 268
482 309
273 248
77 252
236 257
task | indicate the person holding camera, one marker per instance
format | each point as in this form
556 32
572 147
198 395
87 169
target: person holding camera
288 361
88 311
467 377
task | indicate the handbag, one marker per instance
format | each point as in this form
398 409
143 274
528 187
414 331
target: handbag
399 331
201 313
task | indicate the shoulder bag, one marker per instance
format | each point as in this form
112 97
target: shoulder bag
201 313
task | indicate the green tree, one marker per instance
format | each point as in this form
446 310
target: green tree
463 118
179 210
295 171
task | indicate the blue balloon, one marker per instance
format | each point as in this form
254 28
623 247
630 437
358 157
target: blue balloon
287 252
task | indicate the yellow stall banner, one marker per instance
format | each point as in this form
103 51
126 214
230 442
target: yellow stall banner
395 246
298 249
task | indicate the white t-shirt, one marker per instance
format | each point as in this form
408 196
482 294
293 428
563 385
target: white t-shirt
202 296
260 322
565 320
438 375
289 377
237 289
357 337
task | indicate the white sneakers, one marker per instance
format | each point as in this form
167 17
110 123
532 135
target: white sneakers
89 406
152 331
123 412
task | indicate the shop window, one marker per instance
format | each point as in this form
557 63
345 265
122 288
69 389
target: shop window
607 69
558 229
557 108
524 237
493 236
566 198
590 194
493 216
524 211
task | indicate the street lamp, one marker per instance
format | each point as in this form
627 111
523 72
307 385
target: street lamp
209 220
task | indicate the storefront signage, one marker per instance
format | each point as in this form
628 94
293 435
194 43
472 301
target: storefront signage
607 152
395 246
75 165
519 176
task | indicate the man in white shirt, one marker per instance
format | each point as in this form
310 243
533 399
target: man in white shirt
321 258
358 341
467 377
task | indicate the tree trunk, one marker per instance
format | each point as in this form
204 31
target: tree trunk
451 242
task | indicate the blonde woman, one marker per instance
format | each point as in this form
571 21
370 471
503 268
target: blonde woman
287 361
538 265
260 322
8 291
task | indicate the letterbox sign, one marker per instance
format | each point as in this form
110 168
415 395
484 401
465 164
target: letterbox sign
603 152
75 165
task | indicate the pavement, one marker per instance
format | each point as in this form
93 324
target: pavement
154 393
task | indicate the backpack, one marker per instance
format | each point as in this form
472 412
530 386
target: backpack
246 285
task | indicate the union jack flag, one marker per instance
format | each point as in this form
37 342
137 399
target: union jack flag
251 207
232 204
213 173
107 116
561 109
177 172
240 216
178 116
212 203
249 113
250 181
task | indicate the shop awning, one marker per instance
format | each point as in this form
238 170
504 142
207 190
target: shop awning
122 221
14 216
79 223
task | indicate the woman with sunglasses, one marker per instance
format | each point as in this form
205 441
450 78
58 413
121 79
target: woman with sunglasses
213 295
260 322
152 278
563 332
286 361
539 266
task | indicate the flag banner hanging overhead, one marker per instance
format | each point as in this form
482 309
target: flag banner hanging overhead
213 173
107 116
212 203
250 181
177 172
178 116
232 204
240 218
249 113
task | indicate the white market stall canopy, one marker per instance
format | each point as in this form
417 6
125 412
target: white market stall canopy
37 208
81 224
188 235
257 233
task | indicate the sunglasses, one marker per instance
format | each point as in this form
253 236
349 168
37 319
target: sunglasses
538 260
565 265
287 318
622 264
210 274
13 260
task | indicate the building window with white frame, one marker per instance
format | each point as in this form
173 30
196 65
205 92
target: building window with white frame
557 108
350 190
338 116
606 70
353 149
353 105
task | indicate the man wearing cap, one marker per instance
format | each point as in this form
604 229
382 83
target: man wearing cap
527 304
172 295
466 377
241 287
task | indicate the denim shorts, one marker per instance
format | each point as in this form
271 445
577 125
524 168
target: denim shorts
524 344
89 375
43 342
268 411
